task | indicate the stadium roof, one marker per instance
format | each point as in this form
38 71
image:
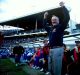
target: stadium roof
35 20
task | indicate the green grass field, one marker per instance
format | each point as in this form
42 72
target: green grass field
8 68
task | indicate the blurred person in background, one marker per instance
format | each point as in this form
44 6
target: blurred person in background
74 68
67 60
18 50
45 56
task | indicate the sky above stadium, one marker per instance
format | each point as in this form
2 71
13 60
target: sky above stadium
12 9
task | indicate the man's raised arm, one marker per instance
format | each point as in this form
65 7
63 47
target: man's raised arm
66 16
45 22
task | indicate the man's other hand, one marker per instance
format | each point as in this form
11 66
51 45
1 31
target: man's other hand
45 15
61 4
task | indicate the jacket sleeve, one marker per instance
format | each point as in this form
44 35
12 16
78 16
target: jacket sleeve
46 25
66 17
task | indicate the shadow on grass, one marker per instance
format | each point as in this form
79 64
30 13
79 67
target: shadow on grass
9 68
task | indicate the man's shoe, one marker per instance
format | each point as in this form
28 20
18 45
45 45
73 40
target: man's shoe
41 70
47 73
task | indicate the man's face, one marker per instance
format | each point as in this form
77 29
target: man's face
54 20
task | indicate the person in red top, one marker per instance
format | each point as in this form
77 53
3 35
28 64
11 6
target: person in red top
76 51
74 68
66 59
45 56
36 58
46 48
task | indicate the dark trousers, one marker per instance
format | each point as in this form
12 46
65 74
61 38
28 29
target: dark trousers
17 58
46 63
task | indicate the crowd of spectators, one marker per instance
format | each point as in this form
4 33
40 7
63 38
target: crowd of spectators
37 56
20 32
